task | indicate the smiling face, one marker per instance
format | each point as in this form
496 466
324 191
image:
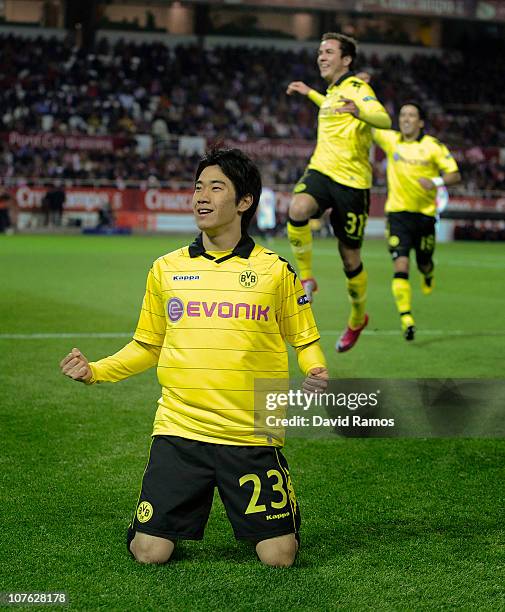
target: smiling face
214 203
330 61
410 122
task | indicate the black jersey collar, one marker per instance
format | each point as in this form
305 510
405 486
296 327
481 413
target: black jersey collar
345 76
243 249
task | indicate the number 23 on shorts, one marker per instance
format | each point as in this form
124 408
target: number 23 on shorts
277 486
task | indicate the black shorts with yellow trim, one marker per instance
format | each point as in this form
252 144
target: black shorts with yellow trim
178 488
409 230
349 206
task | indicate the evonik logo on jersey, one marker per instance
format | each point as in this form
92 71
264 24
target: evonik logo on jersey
176 309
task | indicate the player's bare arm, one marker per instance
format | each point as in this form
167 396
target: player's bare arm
76 366
298 87
450 178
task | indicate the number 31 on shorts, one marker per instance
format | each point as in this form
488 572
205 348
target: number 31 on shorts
253 505
355 224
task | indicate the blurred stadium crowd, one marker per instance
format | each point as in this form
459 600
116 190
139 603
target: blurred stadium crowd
129 89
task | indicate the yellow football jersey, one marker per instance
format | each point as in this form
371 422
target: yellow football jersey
343 141
222 321
407 162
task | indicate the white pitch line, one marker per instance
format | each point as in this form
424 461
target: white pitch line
422 332
45 336
325 332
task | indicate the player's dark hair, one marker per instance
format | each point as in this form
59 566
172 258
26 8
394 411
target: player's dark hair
348 45
420 109
241 171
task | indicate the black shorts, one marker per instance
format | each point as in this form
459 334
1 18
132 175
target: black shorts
178 487
349 206
408 230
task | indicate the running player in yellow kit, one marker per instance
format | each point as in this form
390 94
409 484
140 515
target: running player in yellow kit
216 316
416 165
339 173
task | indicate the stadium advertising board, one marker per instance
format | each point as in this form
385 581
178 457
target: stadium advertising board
74 142
80 199
270 147
131 202
462 9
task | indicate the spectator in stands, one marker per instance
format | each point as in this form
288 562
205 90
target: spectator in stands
7 207
53 204
133 88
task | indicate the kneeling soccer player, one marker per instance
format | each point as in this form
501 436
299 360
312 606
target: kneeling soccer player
215 316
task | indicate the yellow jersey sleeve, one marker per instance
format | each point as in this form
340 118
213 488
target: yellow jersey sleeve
385 139
151 326
296 321
371 111
310 356
131 359
316 97
443 158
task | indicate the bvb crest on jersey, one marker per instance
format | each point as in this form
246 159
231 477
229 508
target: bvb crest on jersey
248 278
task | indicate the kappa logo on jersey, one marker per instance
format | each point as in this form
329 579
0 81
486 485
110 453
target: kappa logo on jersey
224 310
248 278
302 300
175 309
144 512
186 277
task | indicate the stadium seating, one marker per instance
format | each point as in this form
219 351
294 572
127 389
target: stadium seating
129 89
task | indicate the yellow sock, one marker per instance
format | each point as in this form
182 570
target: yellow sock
402 294
300 238
356 289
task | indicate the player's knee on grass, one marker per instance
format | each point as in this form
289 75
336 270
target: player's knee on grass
278 552
151 549
302 207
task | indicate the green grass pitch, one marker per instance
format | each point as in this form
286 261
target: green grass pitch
387 524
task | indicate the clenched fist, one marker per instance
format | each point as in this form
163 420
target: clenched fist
76 366
316 381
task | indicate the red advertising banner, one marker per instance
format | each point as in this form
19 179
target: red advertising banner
73 142
79 199
129 204
276 148
87 199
